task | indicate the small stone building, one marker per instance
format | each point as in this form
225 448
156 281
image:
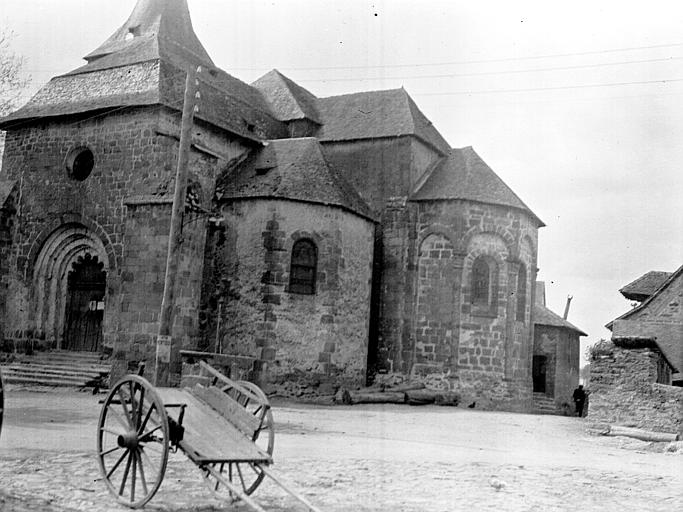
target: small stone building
325 241
556 357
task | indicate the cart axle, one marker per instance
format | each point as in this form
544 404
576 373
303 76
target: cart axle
128 440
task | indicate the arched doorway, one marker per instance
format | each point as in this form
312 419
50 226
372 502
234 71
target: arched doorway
86 286
69 288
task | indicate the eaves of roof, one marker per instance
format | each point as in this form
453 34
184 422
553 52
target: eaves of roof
646 302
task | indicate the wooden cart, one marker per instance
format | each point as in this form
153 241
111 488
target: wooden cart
225 428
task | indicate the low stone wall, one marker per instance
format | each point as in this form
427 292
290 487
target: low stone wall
624 391
486 391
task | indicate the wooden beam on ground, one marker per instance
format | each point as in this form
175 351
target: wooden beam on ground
643 435
377 398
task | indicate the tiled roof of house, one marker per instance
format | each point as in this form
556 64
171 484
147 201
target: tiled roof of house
544 316
376 114
292 169
669 340
464 175
645 285
144 63
288 100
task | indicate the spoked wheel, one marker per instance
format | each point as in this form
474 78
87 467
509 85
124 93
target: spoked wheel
132 441
247 475
2 402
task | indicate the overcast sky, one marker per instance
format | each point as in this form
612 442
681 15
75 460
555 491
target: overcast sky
577 106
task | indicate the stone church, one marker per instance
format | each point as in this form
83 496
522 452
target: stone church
325 241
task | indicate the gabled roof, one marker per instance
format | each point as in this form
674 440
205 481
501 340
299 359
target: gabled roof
144 63
464 175
288 100
376 114
645 285
292 169
543 316
669 334
643 305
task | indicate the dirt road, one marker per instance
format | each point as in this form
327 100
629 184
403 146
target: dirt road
356 458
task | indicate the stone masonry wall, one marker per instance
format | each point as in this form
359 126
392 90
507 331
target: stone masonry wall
122 210
486 353
396 282
129 157
7 227
301 344
624 391
142 286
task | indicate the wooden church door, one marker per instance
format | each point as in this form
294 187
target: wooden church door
87 283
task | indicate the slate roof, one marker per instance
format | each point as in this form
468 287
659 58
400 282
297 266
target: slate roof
149 69
464 175
671 345
288 100
376 114
544 316
645 285
164 23
293 169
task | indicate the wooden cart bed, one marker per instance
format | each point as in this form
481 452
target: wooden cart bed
209 436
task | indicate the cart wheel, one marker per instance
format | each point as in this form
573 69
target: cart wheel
132 441
248 475
2 402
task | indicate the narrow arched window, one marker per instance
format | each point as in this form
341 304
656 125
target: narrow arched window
303 268
481 282
521 293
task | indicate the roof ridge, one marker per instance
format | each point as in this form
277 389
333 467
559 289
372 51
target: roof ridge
647 301
361 92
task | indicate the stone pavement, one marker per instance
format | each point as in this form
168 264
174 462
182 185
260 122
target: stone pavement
365 459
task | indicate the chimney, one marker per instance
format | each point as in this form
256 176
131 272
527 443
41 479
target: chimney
566 308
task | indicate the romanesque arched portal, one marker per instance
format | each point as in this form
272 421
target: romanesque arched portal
69 288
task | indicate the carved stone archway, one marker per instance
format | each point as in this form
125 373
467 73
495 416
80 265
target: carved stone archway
62 249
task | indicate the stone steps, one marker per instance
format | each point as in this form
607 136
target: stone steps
76 368
28 369
57 369
543 404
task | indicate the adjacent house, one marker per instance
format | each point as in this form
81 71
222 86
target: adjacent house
657 317
636 376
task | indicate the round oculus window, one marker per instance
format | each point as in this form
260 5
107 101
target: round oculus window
80 163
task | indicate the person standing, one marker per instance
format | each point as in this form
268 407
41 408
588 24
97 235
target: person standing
579 397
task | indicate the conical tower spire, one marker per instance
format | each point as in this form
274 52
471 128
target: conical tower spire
155 29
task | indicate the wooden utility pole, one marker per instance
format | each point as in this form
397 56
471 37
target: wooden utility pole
164 345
